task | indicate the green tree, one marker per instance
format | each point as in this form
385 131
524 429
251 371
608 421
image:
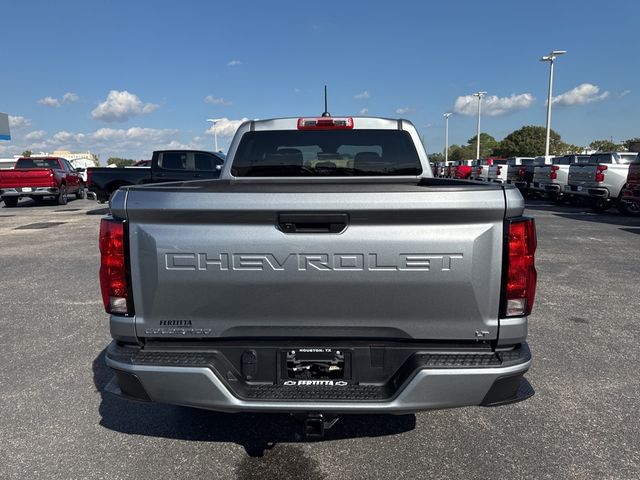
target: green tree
436 157
632 145
458 152
605 146
120 162
568 148
529 141
487 145
26 153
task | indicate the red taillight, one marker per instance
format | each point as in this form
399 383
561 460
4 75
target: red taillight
479 170
89 173
553 175
600 169
113 270
522 171
520 288
325 123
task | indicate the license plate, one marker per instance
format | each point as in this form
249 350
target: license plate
26 189
315 367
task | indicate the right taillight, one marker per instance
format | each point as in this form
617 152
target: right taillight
89 174
600 169
521 275
113 267
553 175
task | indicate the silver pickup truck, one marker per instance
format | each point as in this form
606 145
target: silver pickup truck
552 179
326 272
602 179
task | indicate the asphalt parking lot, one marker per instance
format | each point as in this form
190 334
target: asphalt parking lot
57 423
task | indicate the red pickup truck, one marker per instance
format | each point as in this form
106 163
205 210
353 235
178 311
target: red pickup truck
40 177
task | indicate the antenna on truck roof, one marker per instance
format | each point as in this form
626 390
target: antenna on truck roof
325 113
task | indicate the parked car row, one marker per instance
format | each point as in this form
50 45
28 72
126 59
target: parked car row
603 179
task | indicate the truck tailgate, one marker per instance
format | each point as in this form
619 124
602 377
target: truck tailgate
582 174
209 259
32 177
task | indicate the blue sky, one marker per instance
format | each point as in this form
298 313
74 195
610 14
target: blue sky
123 78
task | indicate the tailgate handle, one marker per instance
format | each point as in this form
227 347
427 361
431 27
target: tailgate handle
313 222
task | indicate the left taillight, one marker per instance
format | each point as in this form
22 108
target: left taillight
520 283
113 268
89 174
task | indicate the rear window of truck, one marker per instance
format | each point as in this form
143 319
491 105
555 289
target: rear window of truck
294 153
38 163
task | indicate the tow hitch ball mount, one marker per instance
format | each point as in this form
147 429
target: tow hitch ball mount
315 424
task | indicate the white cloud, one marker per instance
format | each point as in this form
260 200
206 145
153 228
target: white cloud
49 102
121 106
68 97
134 142
18 122
492 105
225 127
364 111
215 100
625 93
584 93
234 63
405 110
362 96
296 90
35 136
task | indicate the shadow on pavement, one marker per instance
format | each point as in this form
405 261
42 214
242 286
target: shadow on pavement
632 230
98 211
255 432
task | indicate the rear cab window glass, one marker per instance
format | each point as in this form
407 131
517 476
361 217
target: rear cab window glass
173 161
626 158
596 158
38 163
326 153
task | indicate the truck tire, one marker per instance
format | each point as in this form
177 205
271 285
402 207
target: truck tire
62 196
80 194
10 202
629 209
599 204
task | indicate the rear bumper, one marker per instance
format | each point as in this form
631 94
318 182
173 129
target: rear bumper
547 187
34 192
586 191
427 380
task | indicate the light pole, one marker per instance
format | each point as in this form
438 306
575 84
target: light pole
550 58
215 133
479 95
446 136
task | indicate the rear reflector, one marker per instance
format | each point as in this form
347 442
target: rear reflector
325 123
521 172
113 270
520 287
